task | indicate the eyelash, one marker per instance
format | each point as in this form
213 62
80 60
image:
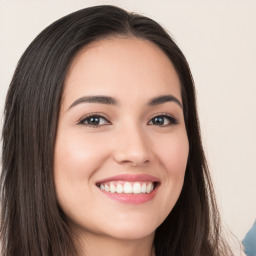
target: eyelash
95 115
171 120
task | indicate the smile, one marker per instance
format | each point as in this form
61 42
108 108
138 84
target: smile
130 188
127 187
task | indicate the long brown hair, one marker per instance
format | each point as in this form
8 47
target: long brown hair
32 222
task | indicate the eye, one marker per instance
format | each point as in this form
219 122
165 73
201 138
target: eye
94 121
163 120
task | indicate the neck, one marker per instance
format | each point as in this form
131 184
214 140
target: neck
96 245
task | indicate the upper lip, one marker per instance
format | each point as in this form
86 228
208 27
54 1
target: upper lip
130 177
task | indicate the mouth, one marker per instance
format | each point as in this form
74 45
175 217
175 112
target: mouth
125 187
130 188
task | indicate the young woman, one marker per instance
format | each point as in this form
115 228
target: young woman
101 145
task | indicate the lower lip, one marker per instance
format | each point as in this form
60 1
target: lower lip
131 198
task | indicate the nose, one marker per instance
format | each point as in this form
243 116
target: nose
132 147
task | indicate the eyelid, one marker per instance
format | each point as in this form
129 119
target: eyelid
98 114
172 118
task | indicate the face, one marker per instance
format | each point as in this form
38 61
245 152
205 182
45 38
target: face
121 148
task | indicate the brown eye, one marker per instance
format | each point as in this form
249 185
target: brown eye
94 120
163 120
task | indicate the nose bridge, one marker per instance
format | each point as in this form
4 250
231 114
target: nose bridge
132 145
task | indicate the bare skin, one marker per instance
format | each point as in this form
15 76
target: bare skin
133 127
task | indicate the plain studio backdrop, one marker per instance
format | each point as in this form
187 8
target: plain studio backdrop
218 39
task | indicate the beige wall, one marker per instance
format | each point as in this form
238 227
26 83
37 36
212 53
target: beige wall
219 41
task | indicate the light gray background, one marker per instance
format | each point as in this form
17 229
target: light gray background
219 40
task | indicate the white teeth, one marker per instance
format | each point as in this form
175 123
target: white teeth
119 188
128 187
136 188
112 188
144 188
149 186
107 188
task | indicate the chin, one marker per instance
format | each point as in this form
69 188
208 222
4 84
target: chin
131 234
130 231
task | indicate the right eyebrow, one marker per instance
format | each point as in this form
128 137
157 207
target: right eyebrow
163 99
94 99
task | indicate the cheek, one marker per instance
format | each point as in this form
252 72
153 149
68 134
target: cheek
173 153
76 156
76 159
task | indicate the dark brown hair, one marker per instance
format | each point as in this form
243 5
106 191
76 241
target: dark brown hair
32 222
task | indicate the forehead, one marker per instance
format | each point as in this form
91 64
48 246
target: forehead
121 67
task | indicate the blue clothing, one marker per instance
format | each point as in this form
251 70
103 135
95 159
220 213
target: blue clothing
249 241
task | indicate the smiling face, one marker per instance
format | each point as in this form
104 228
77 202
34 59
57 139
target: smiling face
121 148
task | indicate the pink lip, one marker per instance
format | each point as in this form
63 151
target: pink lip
130 177
131 198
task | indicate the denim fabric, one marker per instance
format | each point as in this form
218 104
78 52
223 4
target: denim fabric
249 241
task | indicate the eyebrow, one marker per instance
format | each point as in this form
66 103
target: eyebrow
163 99
112 101
94 99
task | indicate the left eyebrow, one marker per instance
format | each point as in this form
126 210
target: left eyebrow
163 99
